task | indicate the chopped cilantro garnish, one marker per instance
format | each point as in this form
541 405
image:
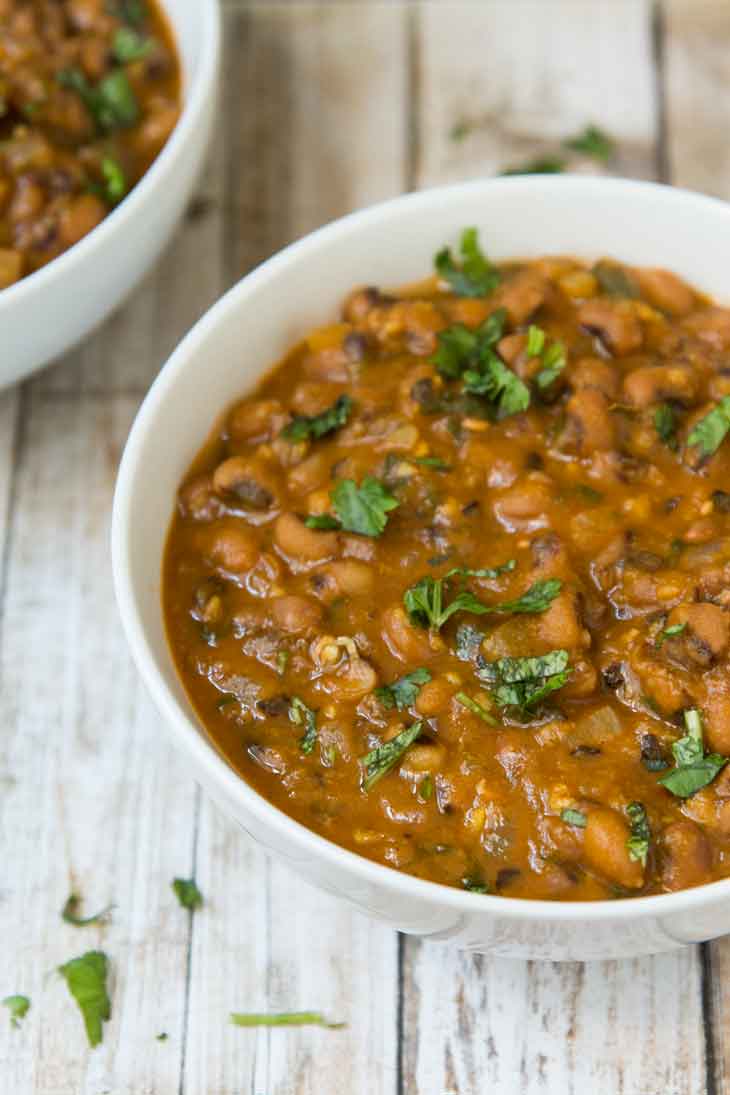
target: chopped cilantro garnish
18 1006
111 103
552 357
476 277
304 716
425 789
497 383
187 892
524 682
574 817
163 1036
282 661
592 142
434 462
115 184
468 642
315 426
541 165
614 280
474 885
403 692
709 433
670 633
69 913
536 599
129 45
483 572
322 521
133 12
475 708
283 1019
665 424
638 841
694 768
460 348
86 980
379 761
363 509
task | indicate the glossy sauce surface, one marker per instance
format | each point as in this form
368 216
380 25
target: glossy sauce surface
573 447
89 94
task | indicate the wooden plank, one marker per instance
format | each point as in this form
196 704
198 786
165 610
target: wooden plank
500 84
695 39
327 135
91 801
520 85
10 408
507 1026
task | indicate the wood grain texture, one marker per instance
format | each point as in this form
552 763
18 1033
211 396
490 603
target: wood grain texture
91 802
695 80
515 87
329 84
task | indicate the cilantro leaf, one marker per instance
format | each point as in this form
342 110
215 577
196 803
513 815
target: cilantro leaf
468 642
314 426
187 892
69 913
474 885
129 45
475 708
115 183
710 432
665 424
363 509
111 103
574 817
638 842
18 1006
694 768
483 572
537 598
86 980
669 633
460 348
552 358
283 1019
434 462
503 388
425 600
379 761
541 165
322 521
614 280
476 277
304 716
403 692
592 142
524 682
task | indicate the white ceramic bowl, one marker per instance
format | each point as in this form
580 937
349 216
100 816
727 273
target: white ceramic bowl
48 312
222 358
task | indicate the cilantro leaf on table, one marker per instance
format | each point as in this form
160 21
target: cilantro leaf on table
523 682
69 913
379 761
403 692
283 1019
18 1006
593 142
86 980
475 277
314 426
694 768
187 892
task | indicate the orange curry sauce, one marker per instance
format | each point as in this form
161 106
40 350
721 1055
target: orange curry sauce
559 428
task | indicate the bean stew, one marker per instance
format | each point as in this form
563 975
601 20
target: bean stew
89 94
452 586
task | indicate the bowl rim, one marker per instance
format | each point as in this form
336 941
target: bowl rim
193 104
201 750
